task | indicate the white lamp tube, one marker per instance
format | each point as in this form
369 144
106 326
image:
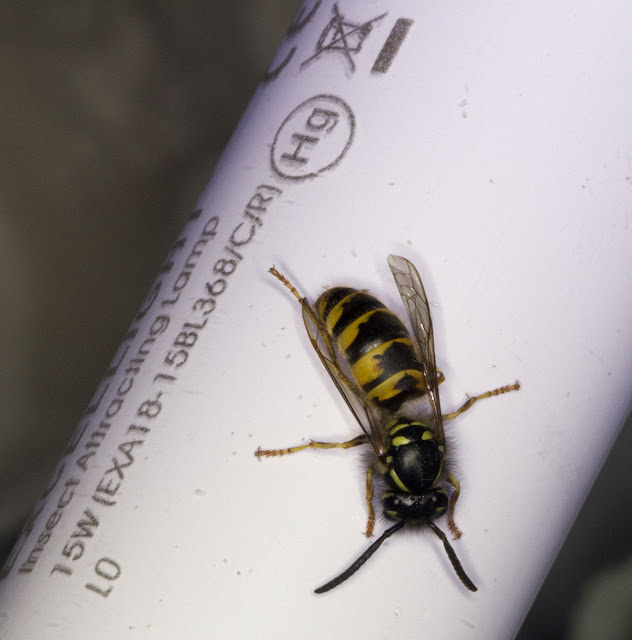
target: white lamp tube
489 145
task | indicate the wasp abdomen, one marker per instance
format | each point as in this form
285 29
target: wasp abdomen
376 345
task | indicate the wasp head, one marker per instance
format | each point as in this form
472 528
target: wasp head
415 507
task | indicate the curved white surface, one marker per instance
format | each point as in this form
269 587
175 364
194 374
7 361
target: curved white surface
494 153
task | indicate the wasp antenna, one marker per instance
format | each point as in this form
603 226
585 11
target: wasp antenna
458 567
361 560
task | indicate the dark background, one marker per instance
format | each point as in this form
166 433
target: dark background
112 118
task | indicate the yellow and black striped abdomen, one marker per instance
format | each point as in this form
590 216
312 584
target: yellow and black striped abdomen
376 345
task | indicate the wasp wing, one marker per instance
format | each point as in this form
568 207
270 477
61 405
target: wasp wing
354 399
415 300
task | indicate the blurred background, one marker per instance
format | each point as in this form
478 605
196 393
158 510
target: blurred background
112 117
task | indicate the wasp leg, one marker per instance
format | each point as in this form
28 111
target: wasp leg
312 444
453 498
471 400
288 284
303 302
320 332
370 523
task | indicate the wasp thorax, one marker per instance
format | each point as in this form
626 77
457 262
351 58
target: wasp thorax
414 459
410 507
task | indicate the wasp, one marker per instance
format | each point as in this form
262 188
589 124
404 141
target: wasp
389 379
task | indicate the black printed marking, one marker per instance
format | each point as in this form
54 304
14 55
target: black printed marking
392 45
